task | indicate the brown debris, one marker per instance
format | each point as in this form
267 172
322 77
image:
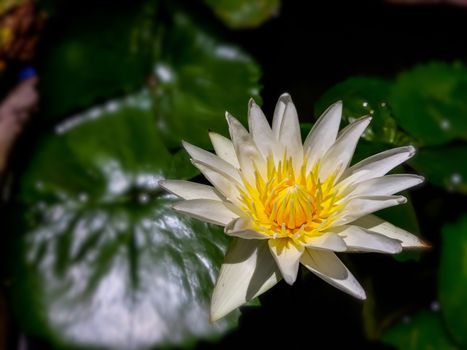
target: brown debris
15 111
20 27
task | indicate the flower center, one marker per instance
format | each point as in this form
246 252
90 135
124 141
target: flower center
290 204
286 203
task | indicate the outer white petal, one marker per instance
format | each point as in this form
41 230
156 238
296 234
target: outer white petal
328 241
287 256
323 134
386 185
375 224
249 156
326 265
361 206
223 182
358 239
214 212
213 161
261 131
243 228
282 102
338 157
290 136
224 148
378 164
190 190
248 271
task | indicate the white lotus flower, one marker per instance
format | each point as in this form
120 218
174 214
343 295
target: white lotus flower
290 203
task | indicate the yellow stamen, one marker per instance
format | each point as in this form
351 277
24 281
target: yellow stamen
291 204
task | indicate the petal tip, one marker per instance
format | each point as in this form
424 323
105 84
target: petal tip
412 150
420 179
186 145
401 200
228 116
359 292
251 103
424 244
285 98
289 279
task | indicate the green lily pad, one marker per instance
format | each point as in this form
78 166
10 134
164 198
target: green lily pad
92 55
366 96
453 279
424 331
239 14
429 102
99 259
443 167
198 78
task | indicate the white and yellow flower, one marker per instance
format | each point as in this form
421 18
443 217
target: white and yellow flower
290 203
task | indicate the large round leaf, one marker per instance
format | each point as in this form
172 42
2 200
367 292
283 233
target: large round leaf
198 78
429 102
366 96
453 279
100 258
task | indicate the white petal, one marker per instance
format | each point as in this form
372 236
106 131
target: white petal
361 206
328 241
249 157
326 265
290 136
248 271
323 134
190 190
375 224
282 102
213 161
338 157
243 228
223 182
379 164
358 239
214 212
386 185
260 130
287 256
224 148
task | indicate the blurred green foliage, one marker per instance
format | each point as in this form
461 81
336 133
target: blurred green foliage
94 56
453 280
424 331
239 14
423 107
429 102
363 96
197 78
